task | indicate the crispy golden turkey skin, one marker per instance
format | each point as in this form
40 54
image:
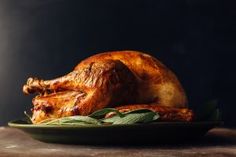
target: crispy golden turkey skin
110 79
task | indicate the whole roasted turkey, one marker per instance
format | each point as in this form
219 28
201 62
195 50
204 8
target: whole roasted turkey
127 80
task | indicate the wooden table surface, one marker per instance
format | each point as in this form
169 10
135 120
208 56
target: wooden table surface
218 142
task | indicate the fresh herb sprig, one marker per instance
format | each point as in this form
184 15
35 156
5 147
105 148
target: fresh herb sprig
97 118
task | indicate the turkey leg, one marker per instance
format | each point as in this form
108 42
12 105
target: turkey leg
96 85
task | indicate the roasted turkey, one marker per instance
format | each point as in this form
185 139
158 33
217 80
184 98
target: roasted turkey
126 80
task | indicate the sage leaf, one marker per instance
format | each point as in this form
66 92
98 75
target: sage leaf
104 111
75 120
133 118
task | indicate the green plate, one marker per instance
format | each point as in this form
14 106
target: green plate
117 134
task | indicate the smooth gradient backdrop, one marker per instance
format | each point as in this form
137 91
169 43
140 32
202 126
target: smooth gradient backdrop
194 38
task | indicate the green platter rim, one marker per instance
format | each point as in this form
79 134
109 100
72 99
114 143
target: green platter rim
20 123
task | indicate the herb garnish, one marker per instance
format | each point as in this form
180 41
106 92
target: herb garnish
97 118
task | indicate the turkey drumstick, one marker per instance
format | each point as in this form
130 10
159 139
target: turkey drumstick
82 91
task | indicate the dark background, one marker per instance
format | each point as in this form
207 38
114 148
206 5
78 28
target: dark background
194 38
